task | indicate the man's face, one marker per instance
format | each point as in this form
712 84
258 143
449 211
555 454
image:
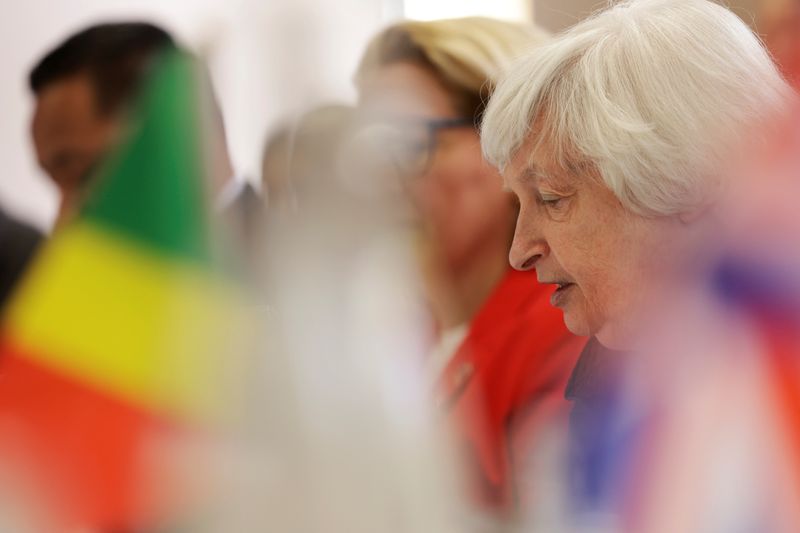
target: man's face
70 136
571 228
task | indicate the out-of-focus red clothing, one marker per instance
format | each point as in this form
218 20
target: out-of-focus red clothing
781 30
515 361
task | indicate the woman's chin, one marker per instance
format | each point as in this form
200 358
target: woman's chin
615 337
576 322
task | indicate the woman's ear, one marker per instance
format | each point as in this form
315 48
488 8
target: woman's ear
696 213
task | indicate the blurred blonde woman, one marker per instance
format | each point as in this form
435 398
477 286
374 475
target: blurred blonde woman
502 356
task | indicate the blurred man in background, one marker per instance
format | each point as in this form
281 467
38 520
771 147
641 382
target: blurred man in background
83 88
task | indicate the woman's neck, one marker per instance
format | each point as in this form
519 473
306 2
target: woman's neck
457 294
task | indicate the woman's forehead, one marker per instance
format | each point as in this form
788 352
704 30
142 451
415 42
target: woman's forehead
538 164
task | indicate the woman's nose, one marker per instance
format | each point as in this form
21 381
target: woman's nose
528 246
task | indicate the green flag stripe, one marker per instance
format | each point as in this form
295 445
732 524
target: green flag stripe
153 188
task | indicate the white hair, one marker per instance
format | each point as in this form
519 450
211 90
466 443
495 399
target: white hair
646 93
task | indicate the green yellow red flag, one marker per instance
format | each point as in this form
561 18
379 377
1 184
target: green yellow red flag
115 339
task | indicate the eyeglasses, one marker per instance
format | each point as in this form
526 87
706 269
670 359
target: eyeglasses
411 143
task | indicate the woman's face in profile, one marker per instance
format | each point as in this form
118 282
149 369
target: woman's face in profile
606 262
457 195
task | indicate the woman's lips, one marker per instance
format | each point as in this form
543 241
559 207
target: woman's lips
558 298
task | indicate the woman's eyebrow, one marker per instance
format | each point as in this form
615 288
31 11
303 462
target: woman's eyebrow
532 174
526 174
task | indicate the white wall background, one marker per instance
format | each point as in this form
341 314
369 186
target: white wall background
435 9
269 59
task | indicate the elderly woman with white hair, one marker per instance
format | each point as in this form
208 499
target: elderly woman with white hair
616 137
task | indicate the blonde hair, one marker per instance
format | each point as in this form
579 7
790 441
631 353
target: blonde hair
466 54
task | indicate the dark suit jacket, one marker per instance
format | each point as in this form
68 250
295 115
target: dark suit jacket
18 244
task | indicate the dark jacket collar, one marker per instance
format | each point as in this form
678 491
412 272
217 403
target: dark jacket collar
596 366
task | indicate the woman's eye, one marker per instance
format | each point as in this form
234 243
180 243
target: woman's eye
550 200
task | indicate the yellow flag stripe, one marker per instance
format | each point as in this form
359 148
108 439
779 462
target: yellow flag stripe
135 324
